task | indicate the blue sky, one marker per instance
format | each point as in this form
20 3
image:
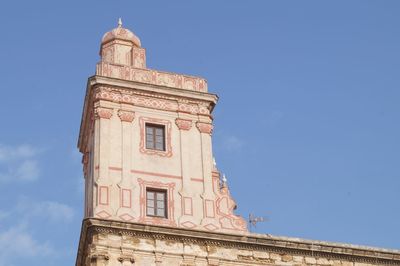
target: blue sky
307 127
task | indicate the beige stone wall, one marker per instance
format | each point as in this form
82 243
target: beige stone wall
119 168
112 245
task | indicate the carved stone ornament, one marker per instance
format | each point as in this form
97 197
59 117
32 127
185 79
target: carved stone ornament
183 124
205 127
126 116
101 112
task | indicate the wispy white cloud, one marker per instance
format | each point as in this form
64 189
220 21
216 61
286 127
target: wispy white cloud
22 151
16 244
17 239
51 210
232 143
19 163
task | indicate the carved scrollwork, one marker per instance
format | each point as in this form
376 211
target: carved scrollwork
206 128
126 116
101 112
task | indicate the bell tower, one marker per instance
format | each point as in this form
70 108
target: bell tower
153 193
146 142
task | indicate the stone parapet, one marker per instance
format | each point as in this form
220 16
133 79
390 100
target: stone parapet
150 76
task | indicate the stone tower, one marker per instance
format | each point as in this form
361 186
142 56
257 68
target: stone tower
153 194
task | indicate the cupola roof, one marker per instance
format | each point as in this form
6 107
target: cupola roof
121 33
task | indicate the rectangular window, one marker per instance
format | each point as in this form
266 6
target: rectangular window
156 203
155 137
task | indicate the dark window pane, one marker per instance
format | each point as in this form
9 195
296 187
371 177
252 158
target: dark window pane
150 203
160 204
155 137
150 211
160 132
159 146
161 196
160 212
156 204
150 195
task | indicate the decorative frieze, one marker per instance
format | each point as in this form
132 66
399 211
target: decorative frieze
149 100
152 77
235 249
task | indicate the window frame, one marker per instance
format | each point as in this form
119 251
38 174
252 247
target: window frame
153 127
156 192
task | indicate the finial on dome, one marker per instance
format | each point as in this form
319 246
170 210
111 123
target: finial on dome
119 23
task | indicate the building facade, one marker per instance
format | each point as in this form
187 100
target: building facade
153 193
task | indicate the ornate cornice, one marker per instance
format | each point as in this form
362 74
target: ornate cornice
126 116
151 77
206 128
183 124
150 100
255 242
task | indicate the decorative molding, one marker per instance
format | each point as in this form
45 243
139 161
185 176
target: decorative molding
126 198
183 124
151 100
126 116
206 128
225 211
155 174
250 242
170 220
187 206
101 112
153 77
168 145
104 195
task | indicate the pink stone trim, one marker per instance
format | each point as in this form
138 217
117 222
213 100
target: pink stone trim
210 227
197 179
103 195
188 224
183 124
170 220
151 76
187 204
126 193
114 168
149 101
101 112
206 128
168 146
103 215
156 174
126 217
126 116
209 208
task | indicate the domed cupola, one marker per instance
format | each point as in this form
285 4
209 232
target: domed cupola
121 46
120 33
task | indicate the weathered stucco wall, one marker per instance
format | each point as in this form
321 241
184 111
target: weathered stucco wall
118 243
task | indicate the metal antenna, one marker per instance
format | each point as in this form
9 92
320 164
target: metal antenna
253 220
